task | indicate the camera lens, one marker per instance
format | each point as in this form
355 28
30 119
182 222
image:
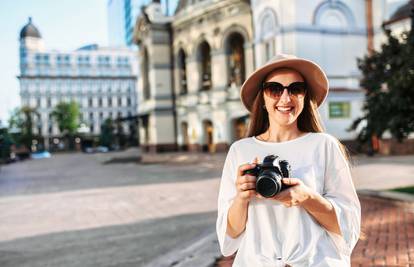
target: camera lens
268 183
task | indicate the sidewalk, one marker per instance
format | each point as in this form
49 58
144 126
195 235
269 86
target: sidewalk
387 237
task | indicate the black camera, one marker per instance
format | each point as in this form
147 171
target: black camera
269 175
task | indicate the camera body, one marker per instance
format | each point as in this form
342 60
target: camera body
269 175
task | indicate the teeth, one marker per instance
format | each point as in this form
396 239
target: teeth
284 108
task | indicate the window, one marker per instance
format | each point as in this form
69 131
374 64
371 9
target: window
205 66
109 101
235 58
90 101
182 72
269 49
49 102
128 101
100 102
119 101
339 110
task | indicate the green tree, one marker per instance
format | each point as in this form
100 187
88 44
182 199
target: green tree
66 116
388 78
6 141
22 121
106 137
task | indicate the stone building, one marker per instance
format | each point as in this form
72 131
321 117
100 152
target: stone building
192 67
215 45
101 80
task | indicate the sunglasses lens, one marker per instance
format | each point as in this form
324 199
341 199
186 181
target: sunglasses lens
273 89
297 88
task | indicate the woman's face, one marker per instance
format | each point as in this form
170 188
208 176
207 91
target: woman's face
284 109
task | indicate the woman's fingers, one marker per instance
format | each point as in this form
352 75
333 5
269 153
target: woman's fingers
245 167
291 181
247 186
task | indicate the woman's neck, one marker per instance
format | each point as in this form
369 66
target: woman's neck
281 133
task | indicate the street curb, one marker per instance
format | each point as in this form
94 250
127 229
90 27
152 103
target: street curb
398 196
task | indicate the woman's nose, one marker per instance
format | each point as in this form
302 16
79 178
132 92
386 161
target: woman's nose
285 97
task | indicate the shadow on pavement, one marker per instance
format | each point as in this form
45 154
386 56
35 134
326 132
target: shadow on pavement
71 172
121 245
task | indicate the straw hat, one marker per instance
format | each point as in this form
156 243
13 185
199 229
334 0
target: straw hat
314 76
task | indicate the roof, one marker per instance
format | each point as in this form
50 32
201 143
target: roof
29 30
403 12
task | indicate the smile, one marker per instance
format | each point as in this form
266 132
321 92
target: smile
284 110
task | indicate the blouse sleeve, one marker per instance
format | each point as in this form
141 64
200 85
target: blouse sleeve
340 191
228 245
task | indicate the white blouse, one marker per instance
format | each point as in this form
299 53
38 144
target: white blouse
276 235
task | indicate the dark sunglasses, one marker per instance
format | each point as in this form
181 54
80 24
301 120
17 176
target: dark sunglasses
275 89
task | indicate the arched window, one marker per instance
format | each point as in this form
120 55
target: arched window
204 59
267 35
235 58
145 75
182 72
333 19
335 15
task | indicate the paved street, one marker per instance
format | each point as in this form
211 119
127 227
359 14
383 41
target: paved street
107 210
81 210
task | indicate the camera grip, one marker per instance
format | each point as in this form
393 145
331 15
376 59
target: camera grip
253 171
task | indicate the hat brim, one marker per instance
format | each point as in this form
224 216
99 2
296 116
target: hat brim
314 76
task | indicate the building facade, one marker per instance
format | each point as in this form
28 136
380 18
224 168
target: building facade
213 52
215 45
122 15
101 80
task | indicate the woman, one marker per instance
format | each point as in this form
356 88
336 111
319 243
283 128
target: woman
316 220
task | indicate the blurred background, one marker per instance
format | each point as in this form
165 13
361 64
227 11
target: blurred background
116 116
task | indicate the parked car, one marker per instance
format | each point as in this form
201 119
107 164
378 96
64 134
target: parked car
98 149
102 149
40 155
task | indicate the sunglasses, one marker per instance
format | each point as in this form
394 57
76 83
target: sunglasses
275 89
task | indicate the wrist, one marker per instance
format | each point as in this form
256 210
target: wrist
241 201
310 197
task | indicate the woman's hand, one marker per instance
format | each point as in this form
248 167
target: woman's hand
246 184
295 195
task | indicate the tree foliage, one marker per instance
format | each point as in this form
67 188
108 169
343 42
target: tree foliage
22 120
106 137
66 116
388 78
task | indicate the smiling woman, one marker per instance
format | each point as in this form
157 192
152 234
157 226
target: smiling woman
314 217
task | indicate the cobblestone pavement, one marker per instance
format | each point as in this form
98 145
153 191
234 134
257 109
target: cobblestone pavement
388 234
387 237
110 210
